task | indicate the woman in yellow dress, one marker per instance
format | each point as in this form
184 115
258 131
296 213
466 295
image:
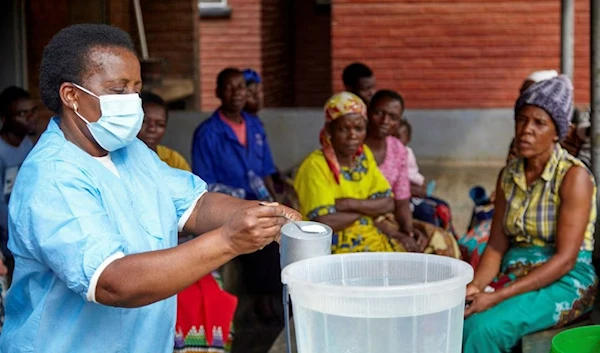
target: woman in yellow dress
340 184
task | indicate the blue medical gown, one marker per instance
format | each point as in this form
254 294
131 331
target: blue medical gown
67 214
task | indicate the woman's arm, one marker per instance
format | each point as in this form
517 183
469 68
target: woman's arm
403 215
573 216
369 207
141 279
339 220
350 210
497 245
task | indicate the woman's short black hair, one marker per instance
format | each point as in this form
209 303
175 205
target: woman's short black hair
386 93
66 57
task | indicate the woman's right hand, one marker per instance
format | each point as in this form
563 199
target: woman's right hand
255 227
409 243
472 289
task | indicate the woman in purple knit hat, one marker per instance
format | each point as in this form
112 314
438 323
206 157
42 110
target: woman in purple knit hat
540 248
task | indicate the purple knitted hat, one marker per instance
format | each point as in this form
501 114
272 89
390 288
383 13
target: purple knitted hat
555 96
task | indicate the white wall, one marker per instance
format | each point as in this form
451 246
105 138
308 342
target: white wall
478 136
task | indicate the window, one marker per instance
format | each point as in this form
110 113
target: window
214 8
212 3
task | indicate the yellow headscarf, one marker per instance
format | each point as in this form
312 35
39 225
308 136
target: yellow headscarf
337 106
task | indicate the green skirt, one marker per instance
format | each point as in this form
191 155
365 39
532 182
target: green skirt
500 328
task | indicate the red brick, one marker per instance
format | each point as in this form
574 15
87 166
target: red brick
313 54
459 53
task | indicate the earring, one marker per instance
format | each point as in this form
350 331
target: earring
75 106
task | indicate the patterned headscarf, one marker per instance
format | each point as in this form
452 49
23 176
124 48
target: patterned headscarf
336 107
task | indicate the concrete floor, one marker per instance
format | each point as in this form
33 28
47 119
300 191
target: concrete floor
453 182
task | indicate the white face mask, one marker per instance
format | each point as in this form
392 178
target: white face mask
120 121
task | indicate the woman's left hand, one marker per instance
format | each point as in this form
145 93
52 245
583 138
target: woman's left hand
481 302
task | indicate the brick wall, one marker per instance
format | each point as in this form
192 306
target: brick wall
456 54
312 54
277 51
226 42
169 27
44 20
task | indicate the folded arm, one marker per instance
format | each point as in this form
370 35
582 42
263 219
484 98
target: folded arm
339 220
369 207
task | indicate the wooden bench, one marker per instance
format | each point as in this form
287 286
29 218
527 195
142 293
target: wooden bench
541 342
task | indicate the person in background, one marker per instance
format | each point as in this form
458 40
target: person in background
156 117
425 207
231 150
358 78
231 147
542 238
385 114
254 97
341 186
18 113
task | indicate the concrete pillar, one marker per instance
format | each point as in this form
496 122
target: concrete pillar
567 41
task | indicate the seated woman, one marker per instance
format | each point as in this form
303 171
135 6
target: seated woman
340 184
425 207
385 114
541 241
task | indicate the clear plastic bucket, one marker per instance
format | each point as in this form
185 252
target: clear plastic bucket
378 303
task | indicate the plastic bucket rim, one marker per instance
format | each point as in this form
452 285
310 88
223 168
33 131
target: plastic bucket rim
575 330
371 291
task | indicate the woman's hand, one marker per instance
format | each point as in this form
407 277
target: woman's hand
255 227
472 289
408 242
421 239
480 302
